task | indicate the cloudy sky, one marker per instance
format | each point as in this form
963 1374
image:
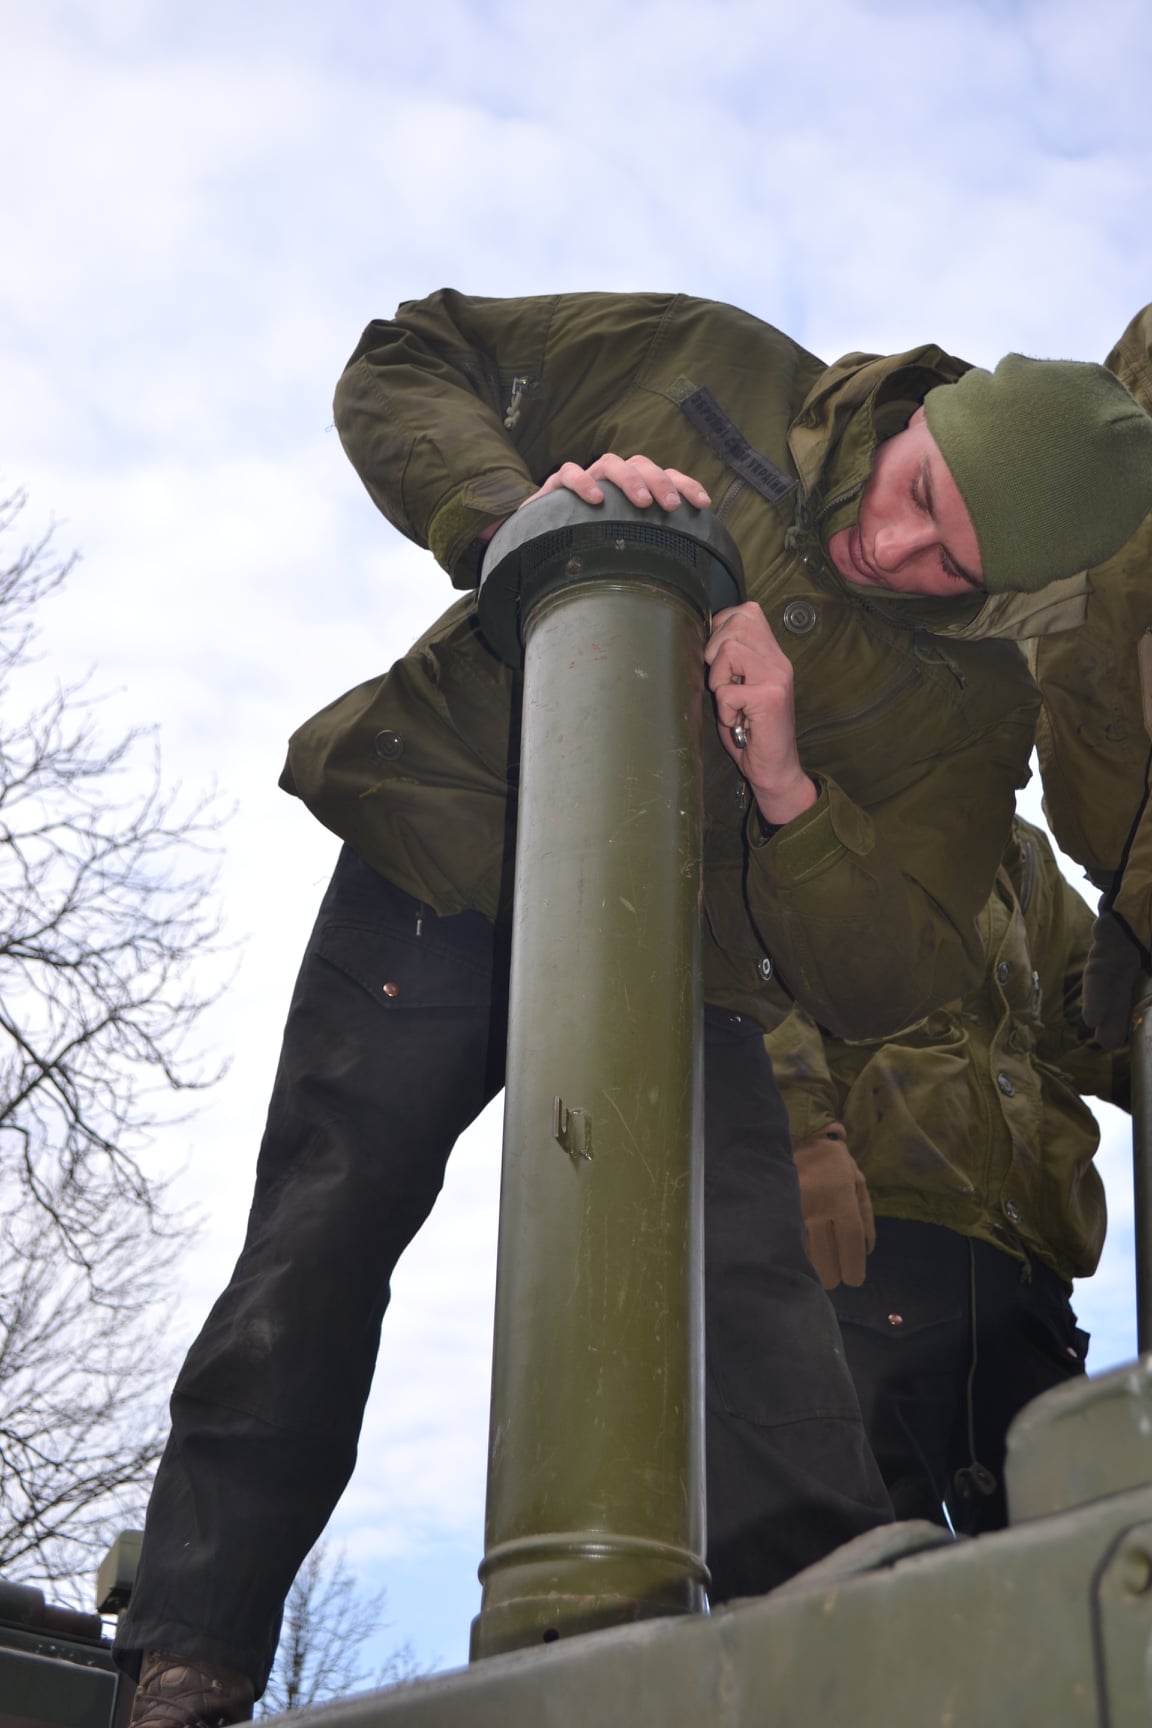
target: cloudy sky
203 205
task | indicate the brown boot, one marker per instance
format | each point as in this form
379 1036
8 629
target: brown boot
173 1692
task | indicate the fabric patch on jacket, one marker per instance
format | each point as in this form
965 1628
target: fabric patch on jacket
703 411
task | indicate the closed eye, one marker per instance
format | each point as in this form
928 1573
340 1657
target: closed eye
923 500
955 574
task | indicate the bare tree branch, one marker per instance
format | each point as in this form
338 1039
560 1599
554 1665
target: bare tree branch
326 1623
106 917
106 903
81 1395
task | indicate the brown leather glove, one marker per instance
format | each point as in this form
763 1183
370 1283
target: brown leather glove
837 1208
1114 964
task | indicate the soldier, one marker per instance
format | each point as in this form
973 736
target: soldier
1093 741
852 833
967 1137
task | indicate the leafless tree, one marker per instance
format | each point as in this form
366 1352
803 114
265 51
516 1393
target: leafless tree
101 916
326 1624
82 1377
106 899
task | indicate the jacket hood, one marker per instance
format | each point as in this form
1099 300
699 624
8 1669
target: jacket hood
1017 617
1131 359
855 404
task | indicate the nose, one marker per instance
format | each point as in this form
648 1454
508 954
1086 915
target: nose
898 541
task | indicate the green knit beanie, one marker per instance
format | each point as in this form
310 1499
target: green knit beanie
1053 459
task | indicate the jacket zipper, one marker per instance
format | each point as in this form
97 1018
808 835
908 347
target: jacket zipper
515 403
835 503
730 499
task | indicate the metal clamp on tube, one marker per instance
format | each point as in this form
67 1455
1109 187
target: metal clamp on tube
595 1511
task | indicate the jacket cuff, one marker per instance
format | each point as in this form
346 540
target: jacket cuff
808 1114
455 524
814 841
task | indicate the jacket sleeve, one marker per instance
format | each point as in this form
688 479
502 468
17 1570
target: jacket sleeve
421 409
871 916
1092 738
1133 897
800 1065
1060 949
448 412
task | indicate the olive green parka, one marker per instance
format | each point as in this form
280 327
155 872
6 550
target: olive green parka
974 1119
915 725
1096 682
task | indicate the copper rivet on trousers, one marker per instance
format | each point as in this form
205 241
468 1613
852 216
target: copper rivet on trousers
391 989
895 1319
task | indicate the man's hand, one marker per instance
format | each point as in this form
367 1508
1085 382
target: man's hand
1114 964
641 480
751 678
837 1208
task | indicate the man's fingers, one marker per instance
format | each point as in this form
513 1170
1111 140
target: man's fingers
852 1253
867 1216
743 637
642 481
836 1205
823 1253
668 485
570 477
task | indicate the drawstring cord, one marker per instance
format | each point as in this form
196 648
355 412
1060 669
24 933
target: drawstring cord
974 1478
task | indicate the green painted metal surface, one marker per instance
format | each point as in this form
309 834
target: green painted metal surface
595 1498
50 1685
1047 1624
542 548
1081 1441
55 1665
595 1511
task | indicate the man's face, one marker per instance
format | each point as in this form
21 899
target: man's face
913 534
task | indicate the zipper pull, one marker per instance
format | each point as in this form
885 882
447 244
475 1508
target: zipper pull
519 385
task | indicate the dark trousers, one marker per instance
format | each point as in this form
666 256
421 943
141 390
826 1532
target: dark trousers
947 1339
394 1043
